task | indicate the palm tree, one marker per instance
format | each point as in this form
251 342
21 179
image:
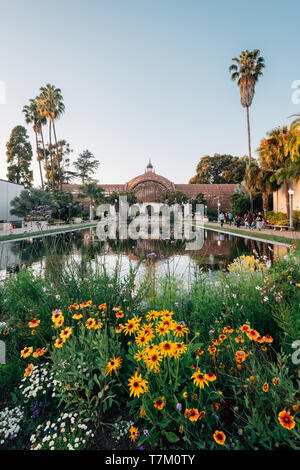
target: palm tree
275 155
50 105
32 116
247 69
294 140
91 191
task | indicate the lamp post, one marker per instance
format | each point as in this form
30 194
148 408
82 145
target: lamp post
291 193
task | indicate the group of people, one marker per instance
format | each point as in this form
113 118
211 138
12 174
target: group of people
250 221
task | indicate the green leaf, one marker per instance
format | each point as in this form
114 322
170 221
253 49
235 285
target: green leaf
172 437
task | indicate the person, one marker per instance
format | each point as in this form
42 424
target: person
259 221
250 220
226 217
222 217
230 217
238 221
11 229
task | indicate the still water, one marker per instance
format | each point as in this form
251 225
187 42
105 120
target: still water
162 256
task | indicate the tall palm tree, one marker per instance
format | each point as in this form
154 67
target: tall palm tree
50 105
246 69
32 116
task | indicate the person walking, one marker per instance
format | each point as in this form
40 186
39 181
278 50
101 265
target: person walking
230 217
222 218
238 221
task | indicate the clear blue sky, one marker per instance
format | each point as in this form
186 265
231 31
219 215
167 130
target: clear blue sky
148 78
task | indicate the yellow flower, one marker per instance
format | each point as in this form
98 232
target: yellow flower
90 323
219 437
77 316
112 365
34 323
66 333
59 342
133 432
200 380
137 385
167 348
26 352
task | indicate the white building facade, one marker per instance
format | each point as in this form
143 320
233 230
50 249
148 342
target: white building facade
8 191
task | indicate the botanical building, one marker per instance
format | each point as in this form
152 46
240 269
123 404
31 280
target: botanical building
149 185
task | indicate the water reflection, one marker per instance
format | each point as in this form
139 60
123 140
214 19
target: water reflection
52 252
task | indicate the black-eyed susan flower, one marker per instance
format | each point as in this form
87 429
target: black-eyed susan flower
161 329
26 352
275 381
137 385
153 359
159 403
133 433
112 365
219 437
152 315
131 326
142 339
286 420
167 348
199 379
179 330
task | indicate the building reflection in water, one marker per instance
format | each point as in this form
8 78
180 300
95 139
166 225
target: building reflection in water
218 251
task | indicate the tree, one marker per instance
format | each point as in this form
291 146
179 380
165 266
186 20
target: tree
32 116
86 165
274 155
171 197
60 173
247 69
50 105
31 200
219 169
259 180
94 193
19 156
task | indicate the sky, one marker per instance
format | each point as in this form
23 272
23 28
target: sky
148 79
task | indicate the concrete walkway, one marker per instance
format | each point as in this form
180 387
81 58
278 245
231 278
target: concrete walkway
60 229
291 234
